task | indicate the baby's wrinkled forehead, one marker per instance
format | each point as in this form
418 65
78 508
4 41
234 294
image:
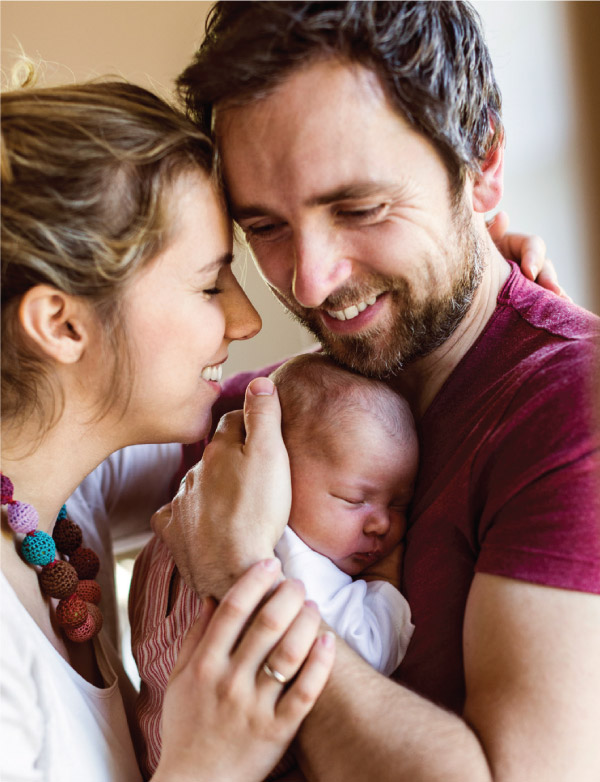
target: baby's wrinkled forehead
325 406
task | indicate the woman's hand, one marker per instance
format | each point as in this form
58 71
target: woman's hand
234 504
224 717
528 251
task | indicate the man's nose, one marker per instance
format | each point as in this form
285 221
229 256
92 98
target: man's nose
320 267
377 522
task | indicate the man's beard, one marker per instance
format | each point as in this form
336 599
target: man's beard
418 326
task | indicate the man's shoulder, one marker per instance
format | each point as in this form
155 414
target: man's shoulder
532 332
540 310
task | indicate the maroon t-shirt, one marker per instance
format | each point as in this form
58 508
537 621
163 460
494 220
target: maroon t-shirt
508 481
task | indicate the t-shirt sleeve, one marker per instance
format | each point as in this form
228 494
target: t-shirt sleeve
539 480
372 617
136 482
22 719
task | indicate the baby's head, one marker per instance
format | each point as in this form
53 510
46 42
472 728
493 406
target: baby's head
353 455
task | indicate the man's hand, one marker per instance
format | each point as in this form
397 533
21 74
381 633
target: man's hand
528 251
231 509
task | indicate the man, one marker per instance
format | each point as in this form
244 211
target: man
361 145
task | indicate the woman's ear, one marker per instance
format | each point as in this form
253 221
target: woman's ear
57 323
489 184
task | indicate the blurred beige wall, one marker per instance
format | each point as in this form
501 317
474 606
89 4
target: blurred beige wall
148 43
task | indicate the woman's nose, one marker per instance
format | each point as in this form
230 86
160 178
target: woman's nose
242 321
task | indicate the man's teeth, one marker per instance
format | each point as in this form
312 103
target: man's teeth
353 311
212 373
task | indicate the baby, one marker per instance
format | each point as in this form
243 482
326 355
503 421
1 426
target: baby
353 458
353 455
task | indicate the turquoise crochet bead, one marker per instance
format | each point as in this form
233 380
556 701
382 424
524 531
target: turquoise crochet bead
62 513
38 548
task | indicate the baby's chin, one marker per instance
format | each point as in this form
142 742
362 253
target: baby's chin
354 565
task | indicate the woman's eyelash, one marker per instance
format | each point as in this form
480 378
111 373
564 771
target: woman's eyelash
212 291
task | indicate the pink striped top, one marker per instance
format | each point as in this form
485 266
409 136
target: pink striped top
156 638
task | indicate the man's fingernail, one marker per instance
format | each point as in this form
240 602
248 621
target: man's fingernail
270 564
261 386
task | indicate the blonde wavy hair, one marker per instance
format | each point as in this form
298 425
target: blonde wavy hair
84 170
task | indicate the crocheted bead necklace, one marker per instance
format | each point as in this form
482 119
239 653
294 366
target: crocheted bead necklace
71 582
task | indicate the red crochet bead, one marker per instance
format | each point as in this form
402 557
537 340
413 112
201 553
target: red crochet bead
89 591
86 562
22 517
59 579
72 612
67 536
7 489
96 613
84 632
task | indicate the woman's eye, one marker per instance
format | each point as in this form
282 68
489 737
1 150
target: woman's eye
212 291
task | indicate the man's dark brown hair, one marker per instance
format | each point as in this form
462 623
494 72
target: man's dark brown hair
430 57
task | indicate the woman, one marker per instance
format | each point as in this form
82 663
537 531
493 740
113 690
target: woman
118 306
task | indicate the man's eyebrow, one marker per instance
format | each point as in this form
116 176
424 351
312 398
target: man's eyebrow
350 191
223 260
343 193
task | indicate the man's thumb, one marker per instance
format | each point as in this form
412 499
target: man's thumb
262 413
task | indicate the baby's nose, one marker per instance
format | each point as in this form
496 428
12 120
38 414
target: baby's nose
377 523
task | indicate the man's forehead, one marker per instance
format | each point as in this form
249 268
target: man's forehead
299 94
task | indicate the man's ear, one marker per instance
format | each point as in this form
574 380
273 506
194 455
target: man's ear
56 322
488 185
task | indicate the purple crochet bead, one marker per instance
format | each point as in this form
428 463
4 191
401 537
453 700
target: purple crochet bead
22 517
38 548
7 489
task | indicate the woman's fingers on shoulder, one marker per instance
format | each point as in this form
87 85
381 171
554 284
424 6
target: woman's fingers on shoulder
498 226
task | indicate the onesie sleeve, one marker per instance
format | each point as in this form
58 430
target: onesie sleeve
372 617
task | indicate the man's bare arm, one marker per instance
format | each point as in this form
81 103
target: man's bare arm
532 711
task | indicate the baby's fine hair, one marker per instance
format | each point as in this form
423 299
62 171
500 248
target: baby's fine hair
85 168
319 397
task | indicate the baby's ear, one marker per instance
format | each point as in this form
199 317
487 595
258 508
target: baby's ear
488 185
56 322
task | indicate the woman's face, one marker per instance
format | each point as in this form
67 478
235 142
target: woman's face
181 313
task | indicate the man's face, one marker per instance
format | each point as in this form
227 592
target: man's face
350 217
